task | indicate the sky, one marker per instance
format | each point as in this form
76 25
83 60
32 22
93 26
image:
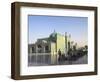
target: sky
42 26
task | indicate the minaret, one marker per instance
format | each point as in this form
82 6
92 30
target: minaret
69 36
54 31
69 42
66 43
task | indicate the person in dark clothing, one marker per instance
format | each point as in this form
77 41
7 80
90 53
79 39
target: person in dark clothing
59 53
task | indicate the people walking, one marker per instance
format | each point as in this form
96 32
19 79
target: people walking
59 53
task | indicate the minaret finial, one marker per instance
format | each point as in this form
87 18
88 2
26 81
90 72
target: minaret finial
54 31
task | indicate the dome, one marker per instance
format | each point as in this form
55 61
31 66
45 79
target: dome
53 35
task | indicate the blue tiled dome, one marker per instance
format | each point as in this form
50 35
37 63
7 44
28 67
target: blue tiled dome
53 36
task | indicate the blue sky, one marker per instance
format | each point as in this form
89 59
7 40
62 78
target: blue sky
43 26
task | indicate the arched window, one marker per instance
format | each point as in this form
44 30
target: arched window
32 49
39 48
46 48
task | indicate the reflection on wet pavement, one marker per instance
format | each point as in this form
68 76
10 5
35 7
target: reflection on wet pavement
48 59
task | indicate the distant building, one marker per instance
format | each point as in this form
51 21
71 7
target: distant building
51 44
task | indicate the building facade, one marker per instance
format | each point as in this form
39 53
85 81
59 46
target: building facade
52 44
